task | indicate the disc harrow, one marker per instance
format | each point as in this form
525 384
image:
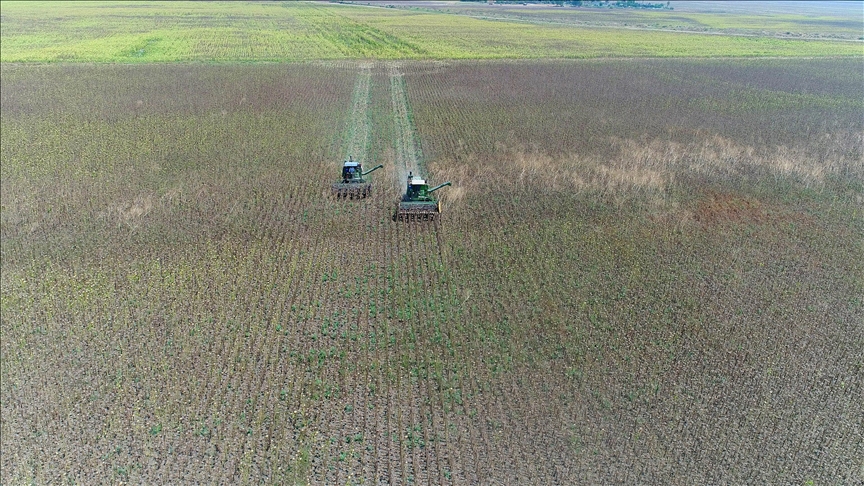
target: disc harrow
352 190
413 211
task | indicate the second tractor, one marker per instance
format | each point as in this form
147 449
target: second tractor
417 202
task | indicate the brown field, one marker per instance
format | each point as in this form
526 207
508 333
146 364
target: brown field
646 272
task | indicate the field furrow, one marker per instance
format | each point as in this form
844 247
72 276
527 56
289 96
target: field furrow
415 434
286 424
431 345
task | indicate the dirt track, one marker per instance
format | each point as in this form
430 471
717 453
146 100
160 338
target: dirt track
408 157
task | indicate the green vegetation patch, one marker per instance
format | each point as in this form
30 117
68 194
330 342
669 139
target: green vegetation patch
130 32
354 39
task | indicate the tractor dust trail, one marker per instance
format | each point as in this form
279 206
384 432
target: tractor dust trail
407 154
357 130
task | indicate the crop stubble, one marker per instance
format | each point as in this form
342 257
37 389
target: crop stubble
185 311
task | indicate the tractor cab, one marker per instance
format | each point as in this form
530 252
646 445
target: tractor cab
351 171
417 190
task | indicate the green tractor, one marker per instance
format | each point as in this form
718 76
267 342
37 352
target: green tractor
353 185
417 203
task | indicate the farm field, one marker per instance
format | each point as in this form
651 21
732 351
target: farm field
159 32
646 271
785 19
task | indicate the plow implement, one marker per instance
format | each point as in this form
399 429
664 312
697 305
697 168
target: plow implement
351 190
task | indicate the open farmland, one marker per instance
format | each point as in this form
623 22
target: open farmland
784 19
159 32
645 272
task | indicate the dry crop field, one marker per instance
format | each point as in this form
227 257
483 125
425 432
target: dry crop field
645 272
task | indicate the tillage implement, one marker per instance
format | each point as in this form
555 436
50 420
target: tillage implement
353 185
417 202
